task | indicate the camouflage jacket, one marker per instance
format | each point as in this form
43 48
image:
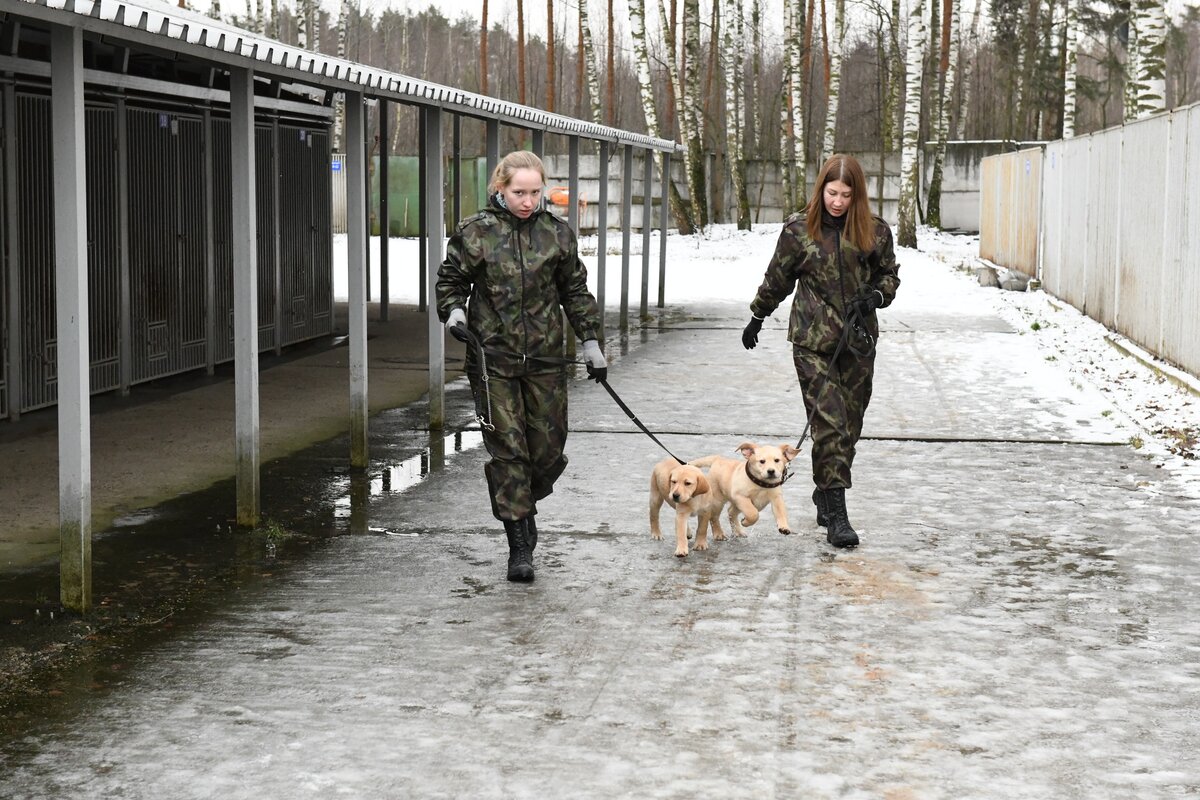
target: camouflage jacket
826 275
515 278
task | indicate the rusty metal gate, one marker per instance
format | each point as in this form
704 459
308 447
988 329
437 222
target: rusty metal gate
177 212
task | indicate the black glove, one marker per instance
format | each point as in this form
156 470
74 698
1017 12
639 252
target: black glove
750 333
460 332
867 300
456 323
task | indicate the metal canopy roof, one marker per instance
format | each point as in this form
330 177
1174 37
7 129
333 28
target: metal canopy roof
209 40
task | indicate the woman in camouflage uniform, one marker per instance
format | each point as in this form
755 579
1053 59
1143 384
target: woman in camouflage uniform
511 271
837 257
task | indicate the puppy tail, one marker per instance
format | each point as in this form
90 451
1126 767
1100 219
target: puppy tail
706 461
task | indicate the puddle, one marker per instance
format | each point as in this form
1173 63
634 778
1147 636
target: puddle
392 479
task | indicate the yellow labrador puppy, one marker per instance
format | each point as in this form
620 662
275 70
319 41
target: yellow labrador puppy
686 490
751 483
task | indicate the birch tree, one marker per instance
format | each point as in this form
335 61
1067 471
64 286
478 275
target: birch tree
259 22
787 153
695 137
1072 69
612 67
1131 64
637 31
799 113
302 24
734 46
684 218
521 52
214 9
274 19
910 130
969 74
829 145
950 56
550 65
754 90
339 103
589 61
1151 67
483 50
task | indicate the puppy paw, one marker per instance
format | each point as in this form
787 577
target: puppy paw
720 537
700 546
786 531
656 536
681 553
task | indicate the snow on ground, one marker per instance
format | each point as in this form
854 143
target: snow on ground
725 266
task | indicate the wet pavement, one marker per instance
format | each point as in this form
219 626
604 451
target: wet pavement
1018 622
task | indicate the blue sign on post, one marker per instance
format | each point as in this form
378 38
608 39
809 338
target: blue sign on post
336 166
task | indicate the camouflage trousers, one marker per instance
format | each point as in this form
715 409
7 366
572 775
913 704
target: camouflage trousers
530 418
838 419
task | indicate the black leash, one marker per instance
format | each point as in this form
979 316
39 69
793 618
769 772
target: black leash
484 420
637 421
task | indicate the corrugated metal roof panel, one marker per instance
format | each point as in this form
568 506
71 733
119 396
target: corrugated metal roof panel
227 43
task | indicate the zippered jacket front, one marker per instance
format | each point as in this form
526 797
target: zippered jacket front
516 278
825 275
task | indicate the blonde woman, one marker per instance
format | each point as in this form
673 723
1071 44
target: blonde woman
510 273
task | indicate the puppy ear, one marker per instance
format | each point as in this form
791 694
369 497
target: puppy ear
746 449
789 452
702 486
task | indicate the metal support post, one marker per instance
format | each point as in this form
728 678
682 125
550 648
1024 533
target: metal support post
422 202
602 231
647 224
456 170
539 142
245 294
385 218
573 183
71 287
663 211
626 230
493 146
435 211
356 273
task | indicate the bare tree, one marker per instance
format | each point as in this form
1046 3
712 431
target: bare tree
521 52
695 135
835 76
788 111
589 60
1151 69
483 51
550 64
949 66
612 66
339 103
910 132
734 46
637 30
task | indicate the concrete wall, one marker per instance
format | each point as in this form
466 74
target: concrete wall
1121 230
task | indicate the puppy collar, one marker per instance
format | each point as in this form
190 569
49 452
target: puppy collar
763 483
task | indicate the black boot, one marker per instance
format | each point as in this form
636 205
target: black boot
840 533
822 509
531 535
520 550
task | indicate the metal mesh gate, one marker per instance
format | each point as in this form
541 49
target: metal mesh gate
179 257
